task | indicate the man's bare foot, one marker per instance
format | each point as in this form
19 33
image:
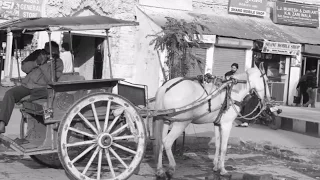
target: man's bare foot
2 127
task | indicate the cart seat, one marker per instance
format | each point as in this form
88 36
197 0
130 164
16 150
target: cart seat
71 77
40 104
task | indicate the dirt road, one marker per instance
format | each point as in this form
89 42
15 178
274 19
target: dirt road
244 162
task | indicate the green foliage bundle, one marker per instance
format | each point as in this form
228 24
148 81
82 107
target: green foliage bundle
176 37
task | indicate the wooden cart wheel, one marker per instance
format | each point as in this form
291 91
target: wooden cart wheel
114 138
49 160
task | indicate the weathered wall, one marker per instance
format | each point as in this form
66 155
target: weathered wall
168 4
122 40
147 61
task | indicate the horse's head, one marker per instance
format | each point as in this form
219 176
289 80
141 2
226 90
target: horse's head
258 82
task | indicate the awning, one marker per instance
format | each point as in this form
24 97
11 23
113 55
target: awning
65 23
236 26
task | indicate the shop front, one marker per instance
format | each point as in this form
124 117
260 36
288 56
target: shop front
228 51
277 57
311 60
304 27
14 48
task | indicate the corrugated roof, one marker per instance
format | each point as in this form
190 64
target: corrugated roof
303 35
237 26
244 27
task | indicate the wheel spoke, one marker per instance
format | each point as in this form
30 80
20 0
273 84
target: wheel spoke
90 160
123 137
81 132
124 148
99 165
118 157
83 153
109 162
106 120
120 130
113 123
88 123
96 116
81 143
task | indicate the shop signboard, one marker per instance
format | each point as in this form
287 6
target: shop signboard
281 48
249 7
295 14
10 9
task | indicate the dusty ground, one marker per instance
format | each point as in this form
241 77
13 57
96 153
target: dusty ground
245 161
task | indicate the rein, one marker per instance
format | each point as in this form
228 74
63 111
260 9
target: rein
224 106
260 105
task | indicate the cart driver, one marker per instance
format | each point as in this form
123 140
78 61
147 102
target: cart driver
38 69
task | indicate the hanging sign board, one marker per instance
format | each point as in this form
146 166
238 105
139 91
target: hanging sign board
281 48
10 9
249 7
295 14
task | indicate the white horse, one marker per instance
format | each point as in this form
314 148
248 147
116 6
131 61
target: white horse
176 95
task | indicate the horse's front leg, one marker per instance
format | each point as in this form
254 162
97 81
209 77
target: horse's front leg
217 146
225 133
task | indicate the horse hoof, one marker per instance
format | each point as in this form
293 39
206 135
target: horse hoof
223 172
170 172
161 174
215 169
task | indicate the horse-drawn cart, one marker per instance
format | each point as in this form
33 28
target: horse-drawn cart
83 126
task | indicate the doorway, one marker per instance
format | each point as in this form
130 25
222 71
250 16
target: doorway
307 64
98 58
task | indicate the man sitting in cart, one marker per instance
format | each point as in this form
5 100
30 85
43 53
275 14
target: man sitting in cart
38 69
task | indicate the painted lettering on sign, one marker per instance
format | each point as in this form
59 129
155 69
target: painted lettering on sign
250 7
296 14
281 48
20 8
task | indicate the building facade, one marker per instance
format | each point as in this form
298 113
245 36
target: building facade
285 36
131 57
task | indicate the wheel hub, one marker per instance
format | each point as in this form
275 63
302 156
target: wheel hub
105 140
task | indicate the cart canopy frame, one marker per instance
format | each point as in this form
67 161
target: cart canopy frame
77 23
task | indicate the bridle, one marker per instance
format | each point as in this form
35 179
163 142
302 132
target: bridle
263 101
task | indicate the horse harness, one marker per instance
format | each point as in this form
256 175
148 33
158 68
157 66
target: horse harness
224 107
199 79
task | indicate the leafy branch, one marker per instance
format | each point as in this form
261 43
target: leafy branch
176 37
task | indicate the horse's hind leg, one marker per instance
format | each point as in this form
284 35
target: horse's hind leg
176 131
225 133
160 171
217 146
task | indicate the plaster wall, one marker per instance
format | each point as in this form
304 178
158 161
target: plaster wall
147 61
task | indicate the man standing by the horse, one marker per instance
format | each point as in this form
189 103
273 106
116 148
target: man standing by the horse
228 75
234 68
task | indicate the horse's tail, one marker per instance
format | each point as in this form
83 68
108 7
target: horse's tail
158 123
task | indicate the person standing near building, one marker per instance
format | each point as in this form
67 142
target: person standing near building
302 88
228 75
234 69
66 58
312 87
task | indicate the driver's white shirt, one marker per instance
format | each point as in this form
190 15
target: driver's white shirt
66 58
